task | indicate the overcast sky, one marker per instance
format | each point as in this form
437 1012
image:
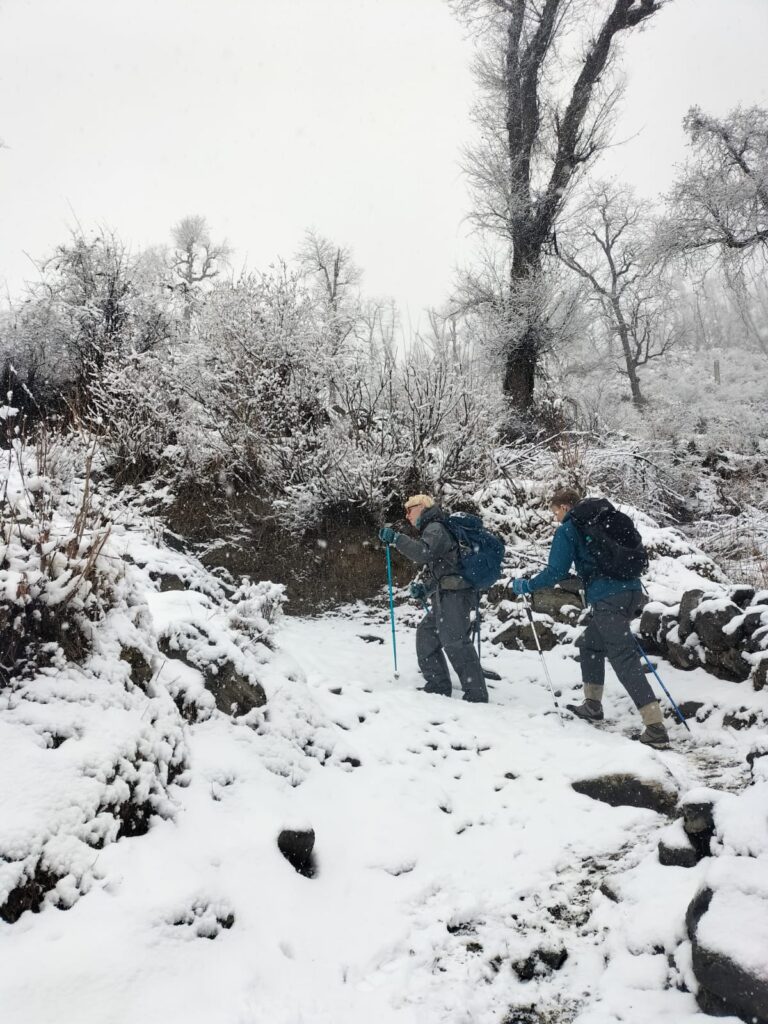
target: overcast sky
272 116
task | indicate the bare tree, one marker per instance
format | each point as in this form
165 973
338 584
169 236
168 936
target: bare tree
610 247
720 201
541 124
195 260
336 275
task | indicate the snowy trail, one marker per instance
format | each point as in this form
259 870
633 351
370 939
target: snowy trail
458 873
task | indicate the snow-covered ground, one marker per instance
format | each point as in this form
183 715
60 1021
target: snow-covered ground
459 878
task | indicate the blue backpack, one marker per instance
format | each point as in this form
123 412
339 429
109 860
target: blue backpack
481 552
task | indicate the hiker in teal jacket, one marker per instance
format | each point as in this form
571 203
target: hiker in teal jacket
614 603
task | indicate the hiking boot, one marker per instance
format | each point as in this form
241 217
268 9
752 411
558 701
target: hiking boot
590 710
655 736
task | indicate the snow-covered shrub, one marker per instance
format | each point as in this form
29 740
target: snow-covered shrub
96 302
52 534
257 608
145 420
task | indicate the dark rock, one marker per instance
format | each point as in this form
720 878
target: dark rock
233 693
709 620
699 825
758 641
296 845
169 581
169 651
29 893
682 656
174 541
741 719
609 892
688 602
696 910
624 790
741 594
519 636
757 751
753 620
671 855
727 664
725 987
540 962
690 708
654 626
561 605
141 670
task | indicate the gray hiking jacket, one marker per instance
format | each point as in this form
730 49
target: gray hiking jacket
437 550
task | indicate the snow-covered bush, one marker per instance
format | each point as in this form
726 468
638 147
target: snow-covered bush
269 398
52 534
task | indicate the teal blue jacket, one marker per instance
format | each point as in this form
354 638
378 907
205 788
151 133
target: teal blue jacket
569 548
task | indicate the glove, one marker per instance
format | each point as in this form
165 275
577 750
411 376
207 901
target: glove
418 591
520 587
387 535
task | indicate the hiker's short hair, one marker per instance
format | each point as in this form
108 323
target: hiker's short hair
565 496
420 499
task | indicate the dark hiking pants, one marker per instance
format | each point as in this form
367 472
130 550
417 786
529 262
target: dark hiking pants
445 631
608 636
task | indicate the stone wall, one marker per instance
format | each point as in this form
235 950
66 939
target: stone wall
724 632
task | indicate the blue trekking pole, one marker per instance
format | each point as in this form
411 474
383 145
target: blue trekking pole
391 607
678 712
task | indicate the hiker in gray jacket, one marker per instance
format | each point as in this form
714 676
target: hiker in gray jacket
446 629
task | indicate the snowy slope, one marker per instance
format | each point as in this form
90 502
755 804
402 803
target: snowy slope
459 877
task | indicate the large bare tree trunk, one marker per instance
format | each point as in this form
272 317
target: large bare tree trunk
543 153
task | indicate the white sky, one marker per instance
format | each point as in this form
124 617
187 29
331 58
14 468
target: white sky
271 116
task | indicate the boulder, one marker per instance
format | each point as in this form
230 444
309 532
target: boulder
710 618
688 602
296 845
654 626
741 719
681 655
168 581
690 708
699 825
725 986
497 593
625 790
742 594
676 849
140 669
519 637
561 605
233 693
754 617
729 665
758 641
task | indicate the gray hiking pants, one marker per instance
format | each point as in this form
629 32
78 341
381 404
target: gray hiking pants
608 636
446 630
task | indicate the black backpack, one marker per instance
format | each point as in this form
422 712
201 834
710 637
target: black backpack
611 538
